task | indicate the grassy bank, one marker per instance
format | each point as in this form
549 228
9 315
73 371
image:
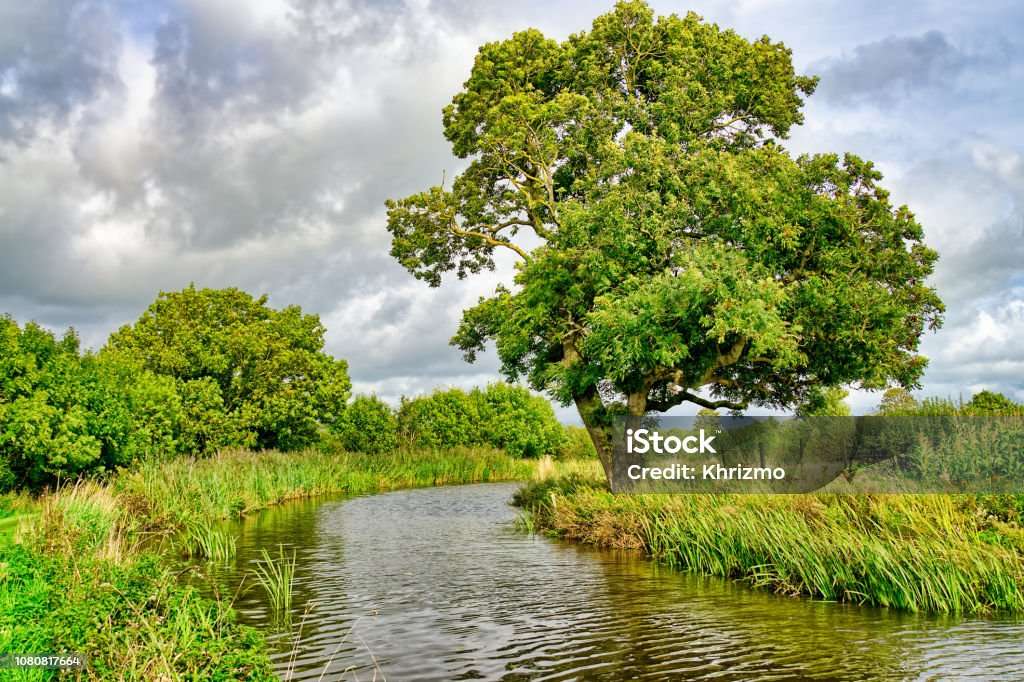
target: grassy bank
83 570
931 553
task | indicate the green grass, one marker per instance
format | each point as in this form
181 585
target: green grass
929 553
204 541
131 620
85 569
277 576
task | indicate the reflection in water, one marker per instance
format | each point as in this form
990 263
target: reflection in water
434 584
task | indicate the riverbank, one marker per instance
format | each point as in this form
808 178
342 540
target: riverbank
84 570
927 553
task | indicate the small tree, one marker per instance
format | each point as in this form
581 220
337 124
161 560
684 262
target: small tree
248 374
443 419
368 425
896 401
669 249
827 402
990 402
517 421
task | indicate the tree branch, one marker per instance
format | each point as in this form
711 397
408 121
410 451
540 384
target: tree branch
487 239
684 396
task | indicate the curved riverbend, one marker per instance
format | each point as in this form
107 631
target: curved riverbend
435 584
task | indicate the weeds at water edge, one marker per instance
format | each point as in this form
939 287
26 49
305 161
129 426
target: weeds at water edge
277 577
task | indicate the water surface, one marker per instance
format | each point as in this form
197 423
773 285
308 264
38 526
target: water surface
435 584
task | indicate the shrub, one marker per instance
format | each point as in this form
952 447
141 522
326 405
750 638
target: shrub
576 444
517 421
368 425
989 402
897 401
443 419
46 430
501 416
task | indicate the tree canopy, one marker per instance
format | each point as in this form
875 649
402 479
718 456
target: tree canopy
250 374
669 248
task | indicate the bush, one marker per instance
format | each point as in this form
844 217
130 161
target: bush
576 444
368 425
443 419
501 416
989 402
517 421
46 429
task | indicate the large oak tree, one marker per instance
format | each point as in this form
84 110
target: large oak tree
669 248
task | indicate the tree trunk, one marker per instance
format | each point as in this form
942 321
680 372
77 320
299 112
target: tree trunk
600 427
591 411
636 408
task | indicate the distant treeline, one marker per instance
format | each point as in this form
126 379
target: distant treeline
899 402
501 415
205 369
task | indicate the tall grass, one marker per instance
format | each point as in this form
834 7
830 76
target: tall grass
935 553
202 540
172 495
277 576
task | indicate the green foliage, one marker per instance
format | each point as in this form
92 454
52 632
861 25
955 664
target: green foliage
501 416
989 402
264 379
368 425
681 248
897 401
63 414
201 370
443 419
835 547
517 421
826 402
576 444
44 427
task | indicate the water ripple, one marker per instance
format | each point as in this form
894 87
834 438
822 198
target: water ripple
435 585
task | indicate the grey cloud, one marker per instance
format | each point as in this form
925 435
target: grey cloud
53 56
899 68
153 144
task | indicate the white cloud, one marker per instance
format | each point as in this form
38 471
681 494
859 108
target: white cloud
253 144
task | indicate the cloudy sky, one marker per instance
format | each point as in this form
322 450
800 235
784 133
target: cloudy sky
146 144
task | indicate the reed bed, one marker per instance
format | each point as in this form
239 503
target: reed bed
928 553
170 496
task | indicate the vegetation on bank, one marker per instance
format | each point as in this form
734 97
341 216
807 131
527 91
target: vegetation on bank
146 444
918 552
83 572
931 553
208 369
502 416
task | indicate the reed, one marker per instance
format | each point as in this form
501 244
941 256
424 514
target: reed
277 577
929 553
171 495
204 541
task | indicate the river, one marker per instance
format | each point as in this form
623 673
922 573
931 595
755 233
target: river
436 584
